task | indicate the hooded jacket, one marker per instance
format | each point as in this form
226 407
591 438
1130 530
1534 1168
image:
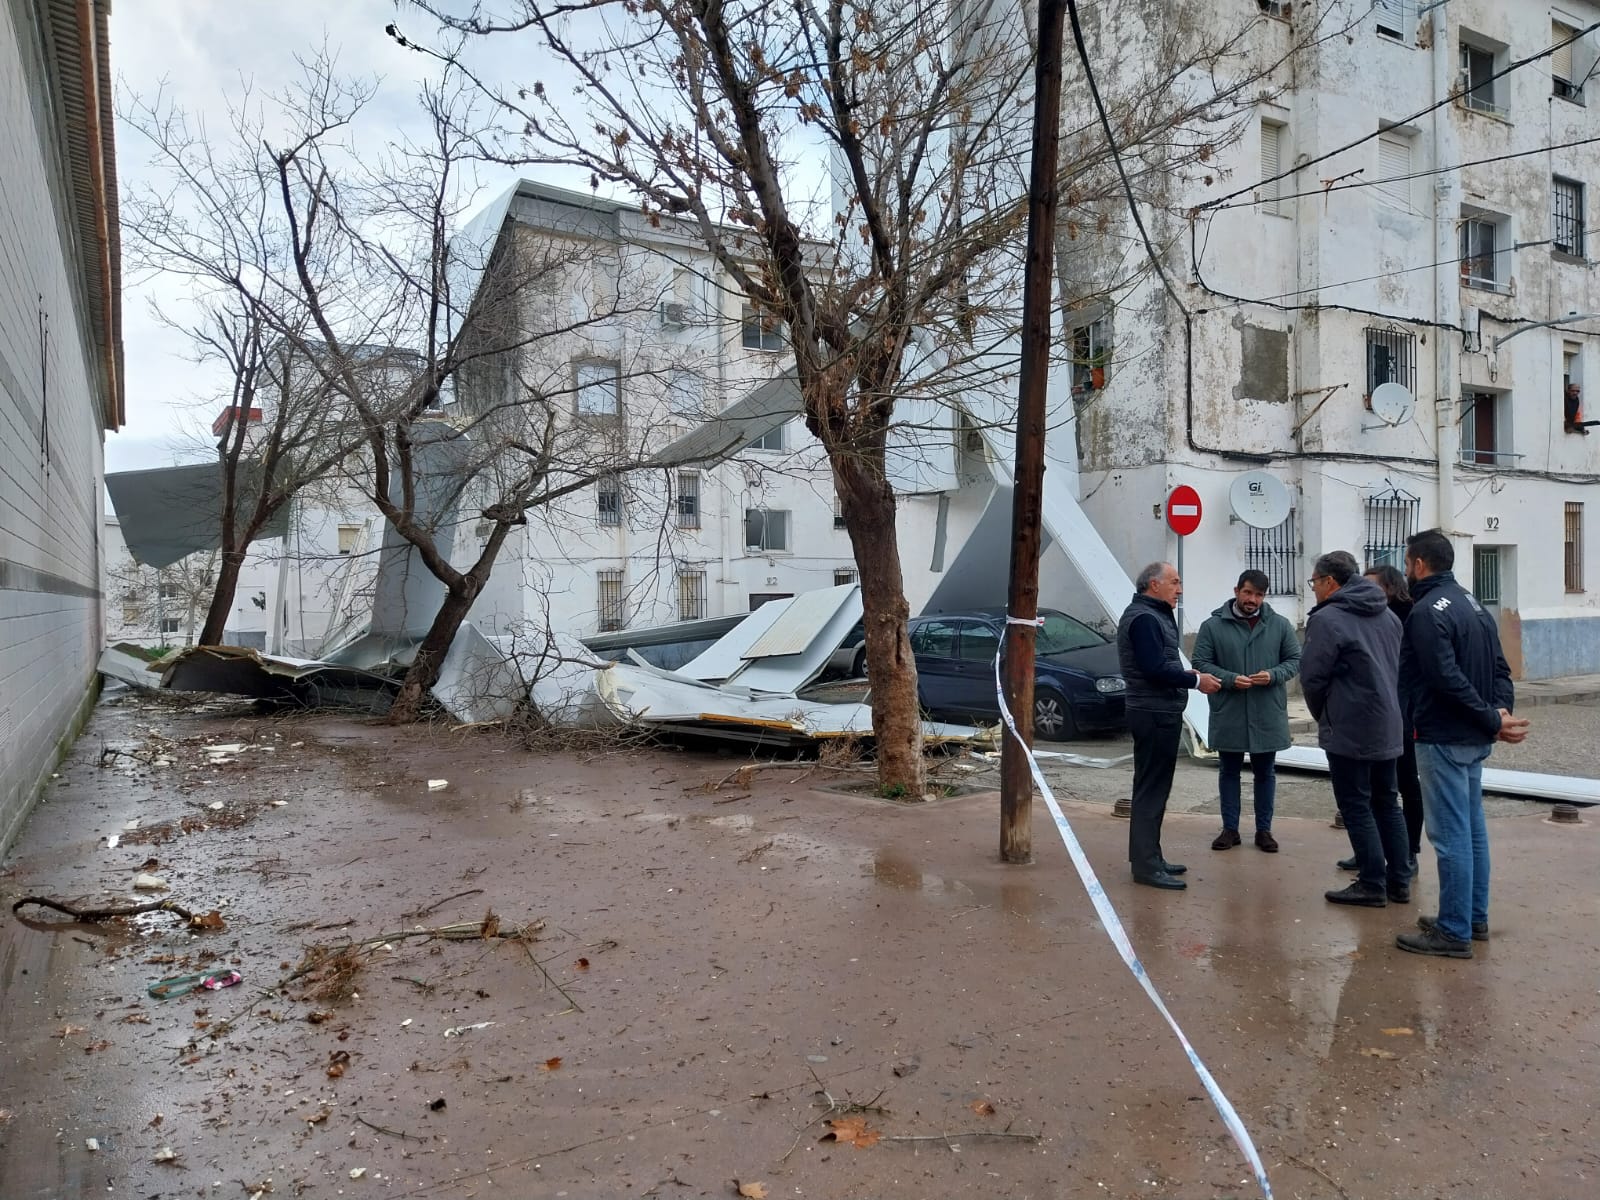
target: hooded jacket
1453 676
1255 719
1349 670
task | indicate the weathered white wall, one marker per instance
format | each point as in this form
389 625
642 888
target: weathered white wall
50 442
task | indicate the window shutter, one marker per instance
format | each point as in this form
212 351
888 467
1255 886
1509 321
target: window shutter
1271 157
1561 58
1394 163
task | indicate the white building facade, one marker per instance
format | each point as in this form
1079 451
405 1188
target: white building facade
1439 235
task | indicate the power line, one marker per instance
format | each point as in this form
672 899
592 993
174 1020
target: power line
1360 183
1451 98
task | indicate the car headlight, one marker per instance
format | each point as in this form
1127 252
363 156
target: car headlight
1110 685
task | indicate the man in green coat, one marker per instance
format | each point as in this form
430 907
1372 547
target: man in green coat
1254 652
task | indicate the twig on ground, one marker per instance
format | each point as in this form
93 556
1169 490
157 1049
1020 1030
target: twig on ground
550 979
437 904
950 1137
1312 1167
106 914
410 1137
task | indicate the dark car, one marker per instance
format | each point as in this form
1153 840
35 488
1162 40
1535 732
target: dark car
1077 683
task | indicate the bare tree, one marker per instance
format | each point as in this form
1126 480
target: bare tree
154 597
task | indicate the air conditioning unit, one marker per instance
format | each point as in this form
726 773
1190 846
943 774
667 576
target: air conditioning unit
676 315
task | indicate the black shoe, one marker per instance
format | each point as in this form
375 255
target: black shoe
1225 840
1400 895
1433 942
1358 894
1266 841
1480 929
1161 880
1348 864
1173 868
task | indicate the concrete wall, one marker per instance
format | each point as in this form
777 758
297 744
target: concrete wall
50 439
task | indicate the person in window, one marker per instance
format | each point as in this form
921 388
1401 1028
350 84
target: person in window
1572 411
1349 671
1254 652
1158 685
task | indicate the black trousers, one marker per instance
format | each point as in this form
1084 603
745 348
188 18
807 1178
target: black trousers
1368 799
1155 757
1410 795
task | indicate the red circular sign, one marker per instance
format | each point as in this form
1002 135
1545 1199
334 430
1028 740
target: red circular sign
1183 510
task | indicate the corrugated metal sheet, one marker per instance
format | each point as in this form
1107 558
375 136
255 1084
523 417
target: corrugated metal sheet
804 618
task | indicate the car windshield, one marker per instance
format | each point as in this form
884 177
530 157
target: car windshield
1060 633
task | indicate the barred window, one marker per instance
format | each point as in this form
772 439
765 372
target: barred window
1391 358
1391 519
844 575
1486 574
1572 547
1566 216
608 502
1273 552
691 595
687 504
610 605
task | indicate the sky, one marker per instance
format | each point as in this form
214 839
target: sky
202 52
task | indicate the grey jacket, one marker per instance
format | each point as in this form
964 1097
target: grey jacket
1349 671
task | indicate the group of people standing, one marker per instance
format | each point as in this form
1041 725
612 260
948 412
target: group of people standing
1406 680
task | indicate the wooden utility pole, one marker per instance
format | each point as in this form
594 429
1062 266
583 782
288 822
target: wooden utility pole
1022 602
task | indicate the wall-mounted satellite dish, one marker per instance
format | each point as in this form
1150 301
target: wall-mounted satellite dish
1392 403
1259 500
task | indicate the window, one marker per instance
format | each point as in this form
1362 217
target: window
608 502
1391 519
934 639
1485 428
1275 8
838 512
765 529
843 576
1572 389
348 536
1390 16
1091 355
1480 253
1272 188
1486 574
170 624
979 643
687 505
691 595
1273 551
772 439
1566 216
610 600
757 599
685 394
759 332
1393 184
1565 79
1572 547
1391 358
599 389
1476 86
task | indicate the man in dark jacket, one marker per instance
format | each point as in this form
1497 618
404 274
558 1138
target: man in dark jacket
1254 653
1348 673
1457 694
1158 685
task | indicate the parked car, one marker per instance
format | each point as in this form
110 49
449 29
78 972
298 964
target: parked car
1077 683
849 661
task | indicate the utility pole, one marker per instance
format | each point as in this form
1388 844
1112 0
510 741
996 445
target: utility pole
1022 601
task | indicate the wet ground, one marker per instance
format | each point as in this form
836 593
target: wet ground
717 973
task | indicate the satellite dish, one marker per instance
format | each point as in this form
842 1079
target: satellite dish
1391 403
1259 500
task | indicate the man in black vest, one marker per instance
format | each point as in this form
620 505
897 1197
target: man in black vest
1158 685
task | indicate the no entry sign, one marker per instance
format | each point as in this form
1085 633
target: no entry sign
1183 510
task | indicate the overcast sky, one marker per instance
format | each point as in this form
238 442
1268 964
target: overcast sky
202 50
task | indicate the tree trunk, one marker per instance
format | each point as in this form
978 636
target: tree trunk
222 599
424 672
866 501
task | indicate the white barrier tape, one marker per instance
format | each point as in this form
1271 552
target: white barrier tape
1074 760
1119 938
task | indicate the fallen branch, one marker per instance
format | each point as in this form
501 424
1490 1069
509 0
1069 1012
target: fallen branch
550 979
409 1137
1311 1166
950 1137
106 914
438 904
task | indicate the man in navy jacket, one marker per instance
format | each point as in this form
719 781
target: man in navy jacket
1456 693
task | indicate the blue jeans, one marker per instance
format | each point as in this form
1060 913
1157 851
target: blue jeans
1266 787
1452 802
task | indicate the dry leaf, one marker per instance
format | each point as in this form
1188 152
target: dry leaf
67 1031
491 925
982 1107
321 1115
582 964
337 1062
211 921
155 1121
853 1130
102 1044
135 1018
319 1016
751 1191
1398 1031
552 1064
1374 1052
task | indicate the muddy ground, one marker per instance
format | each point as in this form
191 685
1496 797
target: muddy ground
714 974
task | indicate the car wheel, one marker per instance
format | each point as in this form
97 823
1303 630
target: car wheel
1052 716
858 665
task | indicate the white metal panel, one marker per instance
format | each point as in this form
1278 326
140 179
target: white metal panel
788 673
803 619
1529 785
725 656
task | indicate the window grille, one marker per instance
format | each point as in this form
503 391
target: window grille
1273 552
610 600
691 595
838 513
843 576
1572 547
687 504
1566 216
1391 519
608 502
1391 358
1486 574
